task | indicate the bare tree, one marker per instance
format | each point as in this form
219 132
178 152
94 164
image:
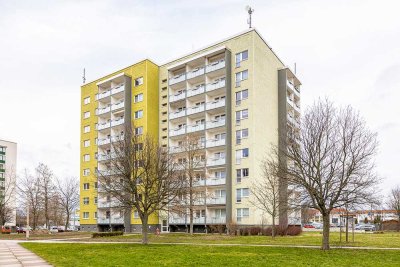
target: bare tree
68 191
191 165
265 191
331 160
394 203
30 190
143 177
7 197
45 177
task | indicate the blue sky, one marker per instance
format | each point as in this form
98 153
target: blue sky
348 51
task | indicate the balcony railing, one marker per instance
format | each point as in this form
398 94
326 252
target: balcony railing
213 124
107 172
177 114
196 91
214 142
201 220
118 106
215 104
177 79
176 97
176 149
103 126
216 162
215 66
216 201
215 85
103 110
112 220
195 128
117 89
103 95
117 122
195 109
292 86
104 141
195 73
108 204
210 182
177 131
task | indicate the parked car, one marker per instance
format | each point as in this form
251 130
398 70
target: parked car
365 227
54 229
308 225
317 225
6 230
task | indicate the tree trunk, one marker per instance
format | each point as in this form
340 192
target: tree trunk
145 229
191 219
325 232
273 227
347 227
67 222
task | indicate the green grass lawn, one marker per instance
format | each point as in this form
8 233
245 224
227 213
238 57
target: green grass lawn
191 255
387 239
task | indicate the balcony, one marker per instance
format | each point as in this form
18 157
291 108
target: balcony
117 122
115 220
215 85
215 162
194 73
201 220
176 149
217 220
177 114
214 124
196 91
178 131
108 204
118 105
177 79
117 89
103 126
293 120
195 109
215 104
177 97
195 128
215 143
107 172
217 201
104 141
210 182
103 110
103 95
117 138
291 86
215 66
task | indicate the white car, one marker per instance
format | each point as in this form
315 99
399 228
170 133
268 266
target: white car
54 229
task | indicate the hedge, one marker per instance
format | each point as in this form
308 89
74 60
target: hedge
105 234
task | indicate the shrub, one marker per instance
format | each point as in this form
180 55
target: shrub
293 230
217 229
105 234
232 228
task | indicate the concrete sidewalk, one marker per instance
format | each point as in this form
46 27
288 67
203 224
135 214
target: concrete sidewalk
12 254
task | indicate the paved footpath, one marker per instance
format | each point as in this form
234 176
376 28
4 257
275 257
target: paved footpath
12 254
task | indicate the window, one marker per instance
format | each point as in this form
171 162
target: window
86 114
241 173
86 129
242 56
220 193
220 175
138 98
138 147
242 213
86 143
241 153
86 172
86 186
241 95
138 114
86 100
86 157
241 193
85 201
96 185
240 134
138 81
241 76
220 213
136 214
241 115
139 130
96 200
95 214
85 215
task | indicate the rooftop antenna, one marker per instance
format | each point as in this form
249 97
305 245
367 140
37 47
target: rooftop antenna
250 11
84 76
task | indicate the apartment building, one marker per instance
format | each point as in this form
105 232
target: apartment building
127 96
8 167
236 97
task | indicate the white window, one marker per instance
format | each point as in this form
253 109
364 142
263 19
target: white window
241 57
86 172
86 186
241 173
138 81
242 213
86 100
241 76
86 114
85 201
220 193
220 175
138 114
136 214
85 215
241 193
86 143
86 129
240 134
139 130
241 95
241 153
241 115
95 214
86 157
138 98
220 213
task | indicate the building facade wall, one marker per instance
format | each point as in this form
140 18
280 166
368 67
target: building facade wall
8 167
